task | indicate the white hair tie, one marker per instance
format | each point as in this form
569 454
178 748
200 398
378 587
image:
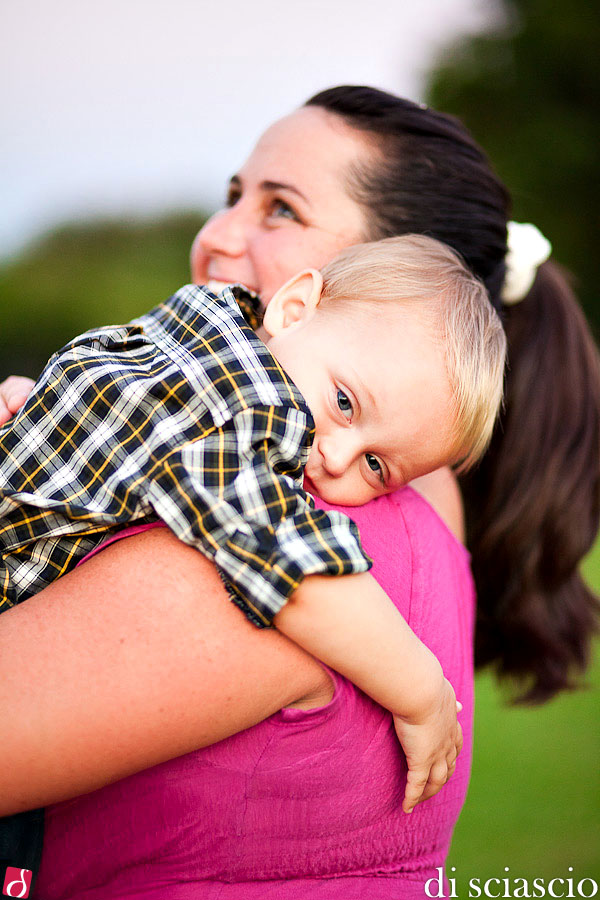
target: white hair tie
527 250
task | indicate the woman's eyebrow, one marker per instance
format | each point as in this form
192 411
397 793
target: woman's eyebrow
282 186
236 181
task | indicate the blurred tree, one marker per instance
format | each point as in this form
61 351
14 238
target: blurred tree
529 90
87 274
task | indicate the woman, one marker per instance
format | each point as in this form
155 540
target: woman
373 165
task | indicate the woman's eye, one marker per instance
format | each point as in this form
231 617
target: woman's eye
282 210
233 195
344 404
375 466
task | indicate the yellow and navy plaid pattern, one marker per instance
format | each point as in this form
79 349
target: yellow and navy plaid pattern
184 415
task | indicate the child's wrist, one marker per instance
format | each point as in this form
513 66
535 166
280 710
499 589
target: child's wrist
426 694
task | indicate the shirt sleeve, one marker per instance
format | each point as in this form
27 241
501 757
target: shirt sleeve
236 495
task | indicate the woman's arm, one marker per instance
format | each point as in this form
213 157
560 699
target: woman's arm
134 658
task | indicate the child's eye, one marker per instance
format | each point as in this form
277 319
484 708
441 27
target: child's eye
372 462
344 404
375 466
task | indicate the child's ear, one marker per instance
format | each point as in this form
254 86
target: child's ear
294 303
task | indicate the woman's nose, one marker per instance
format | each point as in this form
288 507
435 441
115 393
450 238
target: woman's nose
224 233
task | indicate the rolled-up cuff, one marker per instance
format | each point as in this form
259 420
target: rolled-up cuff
261 574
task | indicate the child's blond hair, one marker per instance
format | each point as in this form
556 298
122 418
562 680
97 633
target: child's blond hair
416 269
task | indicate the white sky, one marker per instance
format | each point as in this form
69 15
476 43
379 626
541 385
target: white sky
135 107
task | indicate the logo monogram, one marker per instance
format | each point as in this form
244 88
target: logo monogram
17 882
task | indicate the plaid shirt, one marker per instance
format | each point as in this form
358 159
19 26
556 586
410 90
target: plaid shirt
185 415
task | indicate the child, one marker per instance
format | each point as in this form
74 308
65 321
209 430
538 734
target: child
185 414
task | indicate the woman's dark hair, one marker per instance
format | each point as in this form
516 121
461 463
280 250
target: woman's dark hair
533 504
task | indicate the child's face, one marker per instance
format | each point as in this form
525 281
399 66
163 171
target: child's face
376 384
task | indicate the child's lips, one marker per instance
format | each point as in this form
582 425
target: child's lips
309 485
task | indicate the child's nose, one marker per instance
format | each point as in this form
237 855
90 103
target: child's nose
337 456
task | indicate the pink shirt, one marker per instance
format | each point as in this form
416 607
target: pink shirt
307 804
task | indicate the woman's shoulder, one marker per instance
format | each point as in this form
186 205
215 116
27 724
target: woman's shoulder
438 557
401 517
416 558
441 491
421 517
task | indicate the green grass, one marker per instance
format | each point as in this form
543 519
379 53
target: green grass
534 800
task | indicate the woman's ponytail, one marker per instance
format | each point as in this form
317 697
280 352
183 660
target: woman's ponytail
533 504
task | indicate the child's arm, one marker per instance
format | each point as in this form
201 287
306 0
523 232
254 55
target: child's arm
350 624
355 629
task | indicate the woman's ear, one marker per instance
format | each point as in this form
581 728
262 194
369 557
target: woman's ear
294 303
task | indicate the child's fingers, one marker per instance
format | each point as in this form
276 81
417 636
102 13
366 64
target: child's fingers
430 791
438 775
443 773
459 706
421 785
15 402
13 394
416 782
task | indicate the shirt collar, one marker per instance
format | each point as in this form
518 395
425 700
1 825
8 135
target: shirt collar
249 304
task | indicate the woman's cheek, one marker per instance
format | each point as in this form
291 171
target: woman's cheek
198 262
281 259
273 267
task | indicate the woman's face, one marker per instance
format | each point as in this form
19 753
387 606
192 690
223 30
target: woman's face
287 208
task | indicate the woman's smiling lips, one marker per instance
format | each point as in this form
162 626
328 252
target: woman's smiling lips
217 284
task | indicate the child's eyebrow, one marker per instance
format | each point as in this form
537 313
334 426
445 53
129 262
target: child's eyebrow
363 389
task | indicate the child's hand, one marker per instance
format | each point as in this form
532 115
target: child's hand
13 394
431 743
